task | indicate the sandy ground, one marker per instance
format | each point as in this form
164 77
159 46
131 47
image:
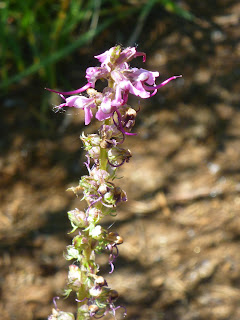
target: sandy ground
181 225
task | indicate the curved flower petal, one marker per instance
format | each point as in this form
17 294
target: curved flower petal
144 75
155 88
88 115
109 57
84 88
128 54
80 102
122 80
100 115
95 73
106 105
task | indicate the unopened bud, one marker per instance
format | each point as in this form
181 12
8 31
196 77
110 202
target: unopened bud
78 218
93 308
94 152
94 214
95 291
99 280
60 315
74 277
97 232
91 140
131 113
103 189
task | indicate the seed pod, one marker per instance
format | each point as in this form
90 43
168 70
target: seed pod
113 294
130 116
114 237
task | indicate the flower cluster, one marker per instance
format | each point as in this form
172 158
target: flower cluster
121 79
104 155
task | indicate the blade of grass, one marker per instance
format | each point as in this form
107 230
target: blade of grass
173 7
59 54
141 20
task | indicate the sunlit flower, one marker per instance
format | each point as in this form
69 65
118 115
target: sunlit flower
121 79
80 102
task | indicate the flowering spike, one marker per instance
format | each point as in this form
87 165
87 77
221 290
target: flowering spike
104 156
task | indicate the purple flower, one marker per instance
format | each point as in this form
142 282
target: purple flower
95 73
115 56
80 102
130 53
122 80
109 57
133 81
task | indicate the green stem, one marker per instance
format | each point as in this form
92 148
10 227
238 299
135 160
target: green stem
103 159
103 153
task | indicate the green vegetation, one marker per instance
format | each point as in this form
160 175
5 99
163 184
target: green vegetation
35 35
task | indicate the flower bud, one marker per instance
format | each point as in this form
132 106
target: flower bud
77 218
103 188
91 144
94 214
72 253
100 281
99 175
90 141
94 153
79 241
128 116
60 315
95 291
109 197
93 308
97 232
74 277
119 155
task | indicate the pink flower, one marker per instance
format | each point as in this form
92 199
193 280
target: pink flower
80 102
128 54
105 109
105 106
122 80
95 73
109 57
115 56
133 80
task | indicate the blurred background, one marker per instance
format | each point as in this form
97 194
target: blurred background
181 226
